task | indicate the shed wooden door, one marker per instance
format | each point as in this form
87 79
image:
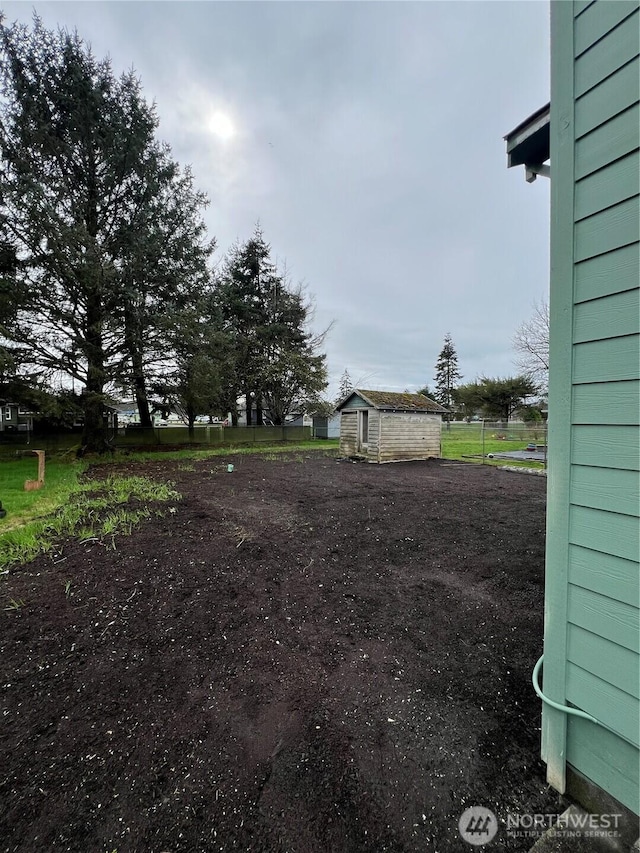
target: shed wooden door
363 429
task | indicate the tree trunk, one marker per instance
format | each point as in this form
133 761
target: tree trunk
142 402
94 435
140 384
259 417
248 407
134 347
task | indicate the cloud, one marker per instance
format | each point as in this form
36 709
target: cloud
369 145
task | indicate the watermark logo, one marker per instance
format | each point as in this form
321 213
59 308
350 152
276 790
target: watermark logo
478 825
574 823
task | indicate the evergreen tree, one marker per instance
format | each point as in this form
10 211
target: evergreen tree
247 289
292 367
346 386
277 360
201 361
164 273
82 190
447 375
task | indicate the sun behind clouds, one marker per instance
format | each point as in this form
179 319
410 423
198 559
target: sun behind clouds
221 126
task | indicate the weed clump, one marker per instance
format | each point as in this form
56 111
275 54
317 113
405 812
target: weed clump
114 507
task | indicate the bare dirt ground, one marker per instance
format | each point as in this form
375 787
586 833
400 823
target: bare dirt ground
304 655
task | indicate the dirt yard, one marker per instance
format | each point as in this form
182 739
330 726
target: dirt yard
305 655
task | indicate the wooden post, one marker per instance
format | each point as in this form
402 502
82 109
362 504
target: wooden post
32 485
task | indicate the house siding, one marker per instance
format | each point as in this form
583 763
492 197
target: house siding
592 621
12 420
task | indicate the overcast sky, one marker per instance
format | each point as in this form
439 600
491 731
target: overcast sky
368 142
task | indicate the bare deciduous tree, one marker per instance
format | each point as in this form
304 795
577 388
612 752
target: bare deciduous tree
531 344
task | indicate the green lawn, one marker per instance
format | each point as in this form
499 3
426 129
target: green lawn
61 477
62 473
464 442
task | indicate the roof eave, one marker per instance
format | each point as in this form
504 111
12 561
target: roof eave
529 142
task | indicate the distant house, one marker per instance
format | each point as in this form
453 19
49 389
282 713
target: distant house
591 134
14 418
296 419
126 412
382 426
326 427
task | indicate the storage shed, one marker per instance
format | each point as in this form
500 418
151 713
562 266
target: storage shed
590 685
382 426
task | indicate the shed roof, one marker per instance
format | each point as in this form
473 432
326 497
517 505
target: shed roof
391 401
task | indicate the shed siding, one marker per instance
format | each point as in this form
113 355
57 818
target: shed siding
604 616
349 433
609 229
608 186
609 317
602 756
374 430
605 701
405 436
592 607
606 574
607 489
618 47
355 401
610 97
598 20
606 446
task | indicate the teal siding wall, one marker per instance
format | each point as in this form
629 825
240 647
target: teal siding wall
355 401
592 625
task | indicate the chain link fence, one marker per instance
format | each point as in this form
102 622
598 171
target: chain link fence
209 435
478 441
522 441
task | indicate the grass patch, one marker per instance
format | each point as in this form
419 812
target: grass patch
464 442
61 478
90 510
94 509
